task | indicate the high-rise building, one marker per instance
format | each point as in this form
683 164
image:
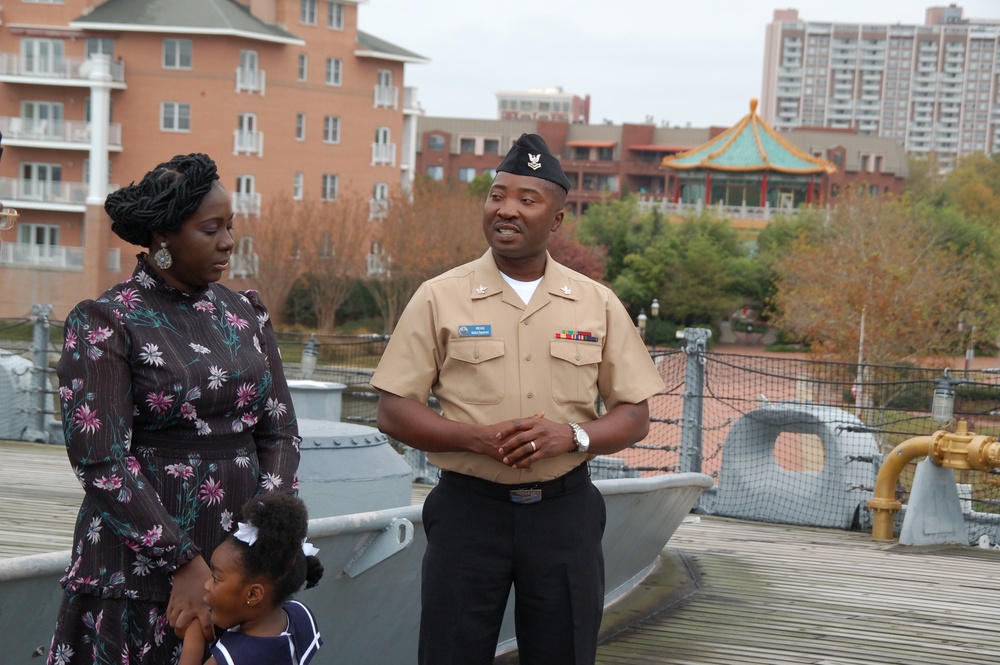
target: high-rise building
543 104
288 97
932 87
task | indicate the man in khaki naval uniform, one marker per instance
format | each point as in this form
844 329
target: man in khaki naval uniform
516 348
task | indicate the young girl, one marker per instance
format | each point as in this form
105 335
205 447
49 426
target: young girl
255 571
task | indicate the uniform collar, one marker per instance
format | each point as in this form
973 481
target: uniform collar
486 280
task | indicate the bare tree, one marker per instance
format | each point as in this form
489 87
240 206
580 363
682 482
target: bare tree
269 246
335 241
439 226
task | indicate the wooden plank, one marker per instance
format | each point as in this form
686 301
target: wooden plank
776 594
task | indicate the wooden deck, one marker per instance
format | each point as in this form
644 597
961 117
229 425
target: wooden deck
39 499
776 595
728 592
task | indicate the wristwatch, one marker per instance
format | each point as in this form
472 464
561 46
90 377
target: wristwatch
580 438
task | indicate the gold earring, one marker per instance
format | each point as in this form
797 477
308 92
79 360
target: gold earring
163 257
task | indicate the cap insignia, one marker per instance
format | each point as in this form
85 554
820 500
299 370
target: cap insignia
534 161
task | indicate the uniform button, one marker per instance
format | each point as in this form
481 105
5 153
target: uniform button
527 321
528 357
577 356
531 395
475 354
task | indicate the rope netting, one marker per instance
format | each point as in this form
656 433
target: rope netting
796 428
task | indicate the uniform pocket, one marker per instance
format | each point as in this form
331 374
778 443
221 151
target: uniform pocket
475 369
574 371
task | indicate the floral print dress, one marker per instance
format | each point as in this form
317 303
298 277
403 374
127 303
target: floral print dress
175 412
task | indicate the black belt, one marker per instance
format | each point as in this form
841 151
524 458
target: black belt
521 493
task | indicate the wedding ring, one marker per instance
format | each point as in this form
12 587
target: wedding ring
534 448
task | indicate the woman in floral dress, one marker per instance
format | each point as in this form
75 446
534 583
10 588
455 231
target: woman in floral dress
175 413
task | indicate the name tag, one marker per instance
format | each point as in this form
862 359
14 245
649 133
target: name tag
526 496
475 331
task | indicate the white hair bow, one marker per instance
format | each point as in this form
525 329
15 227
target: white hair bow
247 533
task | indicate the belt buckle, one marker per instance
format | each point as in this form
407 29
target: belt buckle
526 495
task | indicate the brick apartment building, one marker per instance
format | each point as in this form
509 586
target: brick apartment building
288 96
610 161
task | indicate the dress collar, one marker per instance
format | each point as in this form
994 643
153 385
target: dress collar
149 278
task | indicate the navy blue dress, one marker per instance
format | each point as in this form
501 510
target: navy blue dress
295 646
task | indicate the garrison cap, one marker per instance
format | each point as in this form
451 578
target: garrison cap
531 156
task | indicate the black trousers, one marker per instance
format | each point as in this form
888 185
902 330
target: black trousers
480 543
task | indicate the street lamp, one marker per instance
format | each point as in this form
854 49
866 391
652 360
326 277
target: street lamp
7 218
642 324
943 402
654 310
310 355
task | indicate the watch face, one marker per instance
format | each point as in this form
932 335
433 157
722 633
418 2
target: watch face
581 437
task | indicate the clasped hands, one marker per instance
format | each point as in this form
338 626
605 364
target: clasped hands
523 441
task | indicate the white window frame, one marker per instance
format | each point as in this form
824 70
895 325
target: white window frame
331 129
303 71
36 116
329 187
245 198
298 185
247 138
335 16
379 206
45 237
467 171
180 112
177 59
101 45
334 71
384 92
435 172
300 126
44 57
39 180
307 12
245 184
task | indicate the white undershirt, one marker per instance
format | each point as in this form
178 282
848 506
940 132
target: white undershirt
523 289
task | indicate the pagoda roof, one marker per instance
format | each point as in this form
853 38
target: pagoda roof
749 145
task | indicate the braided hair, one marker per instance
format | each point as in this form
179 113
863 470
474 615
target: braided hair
164 198
282 522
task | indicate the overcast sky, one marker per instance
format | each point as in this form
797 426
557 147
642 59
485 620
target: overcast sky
690 61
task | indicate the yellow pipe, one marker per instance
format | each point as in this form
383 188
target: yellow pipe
884 504
959 450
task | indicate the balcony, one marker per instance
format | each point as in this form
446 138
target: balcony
383 154
643 167
54 257
379 265
246 203
248 143
243 265
411 105
766 213
377 209
386 96
67 71
54 134
55 196
250 80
